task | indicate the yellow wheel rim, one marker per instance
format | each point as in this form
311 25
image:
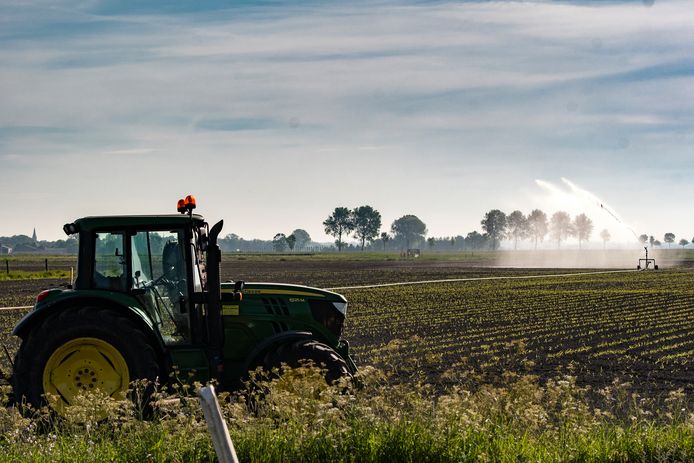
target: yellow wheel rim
85 365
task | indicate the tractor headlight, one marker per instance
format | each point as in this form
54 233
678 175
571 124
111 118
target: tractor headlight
329 314
341 307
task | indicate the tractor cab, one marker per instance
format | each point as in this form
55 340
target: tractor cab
159 265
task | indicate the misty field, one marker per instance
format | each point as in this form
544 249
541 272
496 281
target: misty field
578 367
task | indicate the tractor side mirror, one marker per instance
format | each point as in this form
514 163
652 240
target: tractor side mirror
238 286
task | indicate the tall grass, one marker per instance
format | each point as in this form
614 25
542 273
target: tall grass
299 418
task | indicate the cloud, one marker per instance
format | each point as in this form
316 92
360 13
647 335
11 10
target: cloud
237 124
131 152
453 92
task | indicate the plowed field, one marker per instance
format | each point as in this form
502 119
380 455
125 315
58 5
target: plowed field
633 325
636 325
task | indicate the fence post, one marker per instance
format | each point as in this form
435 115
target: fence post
7 265
46 262
223 446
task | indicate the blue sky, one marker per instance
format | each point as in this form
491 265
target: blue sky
273 113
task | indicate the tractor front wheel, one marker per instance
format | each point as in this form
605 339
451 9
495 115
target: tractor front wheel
81 350
295 353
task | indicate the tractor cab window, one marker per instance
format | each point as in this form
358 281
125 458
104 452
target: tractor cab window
159 276
109 262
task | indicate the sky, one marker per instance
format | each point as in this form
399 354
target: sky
273 113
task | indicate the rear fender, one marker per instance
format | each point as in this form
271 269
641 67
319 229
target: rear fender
132 311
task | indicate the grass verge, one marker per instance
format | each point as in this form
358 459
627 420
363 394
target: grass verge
300 418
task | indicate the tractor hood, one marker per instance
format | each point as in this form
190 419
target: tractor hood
253 290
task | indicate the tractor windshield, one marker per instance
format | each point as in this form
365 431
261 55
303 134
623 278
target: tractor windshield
158 268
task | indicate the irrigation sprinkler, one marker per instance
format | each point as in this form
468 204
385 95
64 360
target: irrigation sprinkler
647 262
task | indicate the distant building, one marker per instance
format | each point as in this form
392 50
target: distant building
5 250
33 236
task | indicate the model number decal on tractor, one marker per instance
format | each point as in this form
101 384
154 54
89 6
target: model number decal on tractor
278 292
297 299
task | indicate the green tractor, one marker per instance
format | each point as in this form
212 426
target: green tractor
148 301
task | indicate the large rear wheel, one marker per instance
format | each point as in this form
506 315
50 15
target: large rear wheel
82 350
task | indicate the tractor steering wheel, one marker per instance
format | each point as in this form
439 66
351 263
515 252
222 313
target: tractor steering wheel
164 278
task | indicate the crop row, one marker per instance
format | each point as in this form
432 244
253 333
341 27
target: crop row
609 324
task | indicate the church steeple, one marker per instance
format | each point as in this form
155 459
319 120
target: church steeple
33 236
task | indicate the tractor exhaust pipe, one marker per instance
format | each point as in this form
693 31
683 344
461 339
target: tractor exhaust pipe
215 330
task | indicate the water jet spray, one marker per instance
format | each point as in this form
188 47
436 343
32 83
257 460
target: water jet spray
591 197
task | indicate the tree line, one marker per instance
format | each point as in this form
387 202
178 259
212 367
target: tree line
536 226
409 231
364 224
559 227
669 238
66 246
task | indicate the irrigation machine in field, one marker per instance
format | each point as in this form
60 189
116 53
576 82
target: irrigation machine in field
147 302
647 263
